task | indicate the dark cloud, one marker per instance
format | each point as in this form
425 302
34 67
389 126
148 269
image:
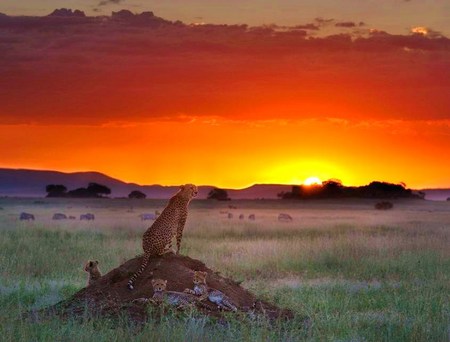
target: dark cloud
309 26
142 67
109 2
348 24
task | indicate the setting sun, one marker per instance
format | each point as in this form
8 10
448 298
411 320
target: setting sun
312 181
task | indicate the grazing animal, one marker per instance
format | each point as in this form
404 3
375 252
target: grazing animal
145 217
26 217
157 240
91 267
285 218
178 299
241 217
230 215
59 216
72 218
252 217
203 291
87 217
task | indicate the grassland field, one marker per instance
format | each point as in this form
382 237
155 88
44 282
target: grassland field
358 273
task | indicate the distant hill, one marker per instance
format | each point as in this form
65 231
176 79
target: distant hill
436 194
32 183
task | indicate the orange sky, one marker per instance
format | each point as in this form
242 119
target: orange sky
225 106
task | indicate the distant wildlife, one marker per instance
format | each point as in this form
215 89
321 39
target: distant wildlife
94 274
149 216
232 207
385 205
72 217
241 217
285 217
157 240
59 216
252 217
87 217
26 217
230 215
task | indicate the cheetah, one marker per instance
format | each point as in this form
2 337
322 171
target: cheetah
91 267
203 291
157 240
178 299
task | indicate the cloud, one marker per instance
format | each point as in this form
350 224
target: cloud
99 70
347 24
309 26
426 31
109 2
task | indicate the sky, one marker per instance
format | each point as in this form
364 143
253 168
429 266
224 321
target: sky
349 90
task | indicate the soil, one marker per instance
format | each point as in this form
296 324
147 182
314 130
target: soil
110 297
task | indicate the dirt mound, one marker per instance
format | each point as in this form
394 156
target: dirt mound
111 297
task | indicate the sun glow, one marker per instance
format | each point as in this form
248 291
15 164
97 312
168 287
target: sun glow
312 181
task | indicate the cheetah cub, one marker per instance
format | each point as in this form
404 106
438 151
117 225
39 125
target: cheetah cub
178 299
94 274
215 296
157 240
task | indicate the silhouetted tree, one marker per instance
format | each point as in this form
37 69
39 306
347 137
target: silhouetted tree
56 190
81 192
137 194
332 188
98 189
218 194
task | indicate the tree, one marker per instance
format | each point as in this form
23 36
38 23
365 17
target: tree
137 194
56 190
98 189
218 194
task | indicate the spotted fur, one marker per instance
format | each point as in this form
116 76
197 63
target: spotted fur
94 274
203 291
157 240
178 299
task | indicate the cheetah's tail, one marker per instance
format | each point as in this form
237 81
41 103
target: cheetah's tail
228 304
139 272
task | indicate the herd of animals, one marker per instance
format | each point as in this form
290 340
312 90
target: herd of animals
58 216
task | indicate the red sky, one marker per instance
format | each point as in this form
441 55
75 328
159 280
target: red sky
224 105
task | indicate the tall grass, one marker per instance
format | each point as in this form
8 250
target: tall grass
359 274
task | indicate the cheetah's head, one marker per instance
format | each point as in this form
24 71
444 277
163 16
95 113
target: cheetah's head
159 285
189 191
199 277
90 265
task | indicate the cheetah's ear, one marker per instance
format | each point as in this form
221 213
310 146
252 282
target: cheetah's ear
165 282
153 281
203 273
96 262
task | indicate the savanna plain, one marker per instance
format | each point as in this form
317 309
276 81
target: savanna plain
355 273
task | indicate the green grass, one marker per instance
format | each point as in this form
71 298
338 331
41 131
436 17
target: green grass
359 274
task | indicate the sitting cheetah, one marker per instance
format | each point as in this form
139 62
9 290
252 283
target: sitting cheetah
157 240
91 267
161 295
215 296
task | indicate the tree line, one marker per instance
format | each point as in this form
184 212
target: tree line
334 189
93 190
